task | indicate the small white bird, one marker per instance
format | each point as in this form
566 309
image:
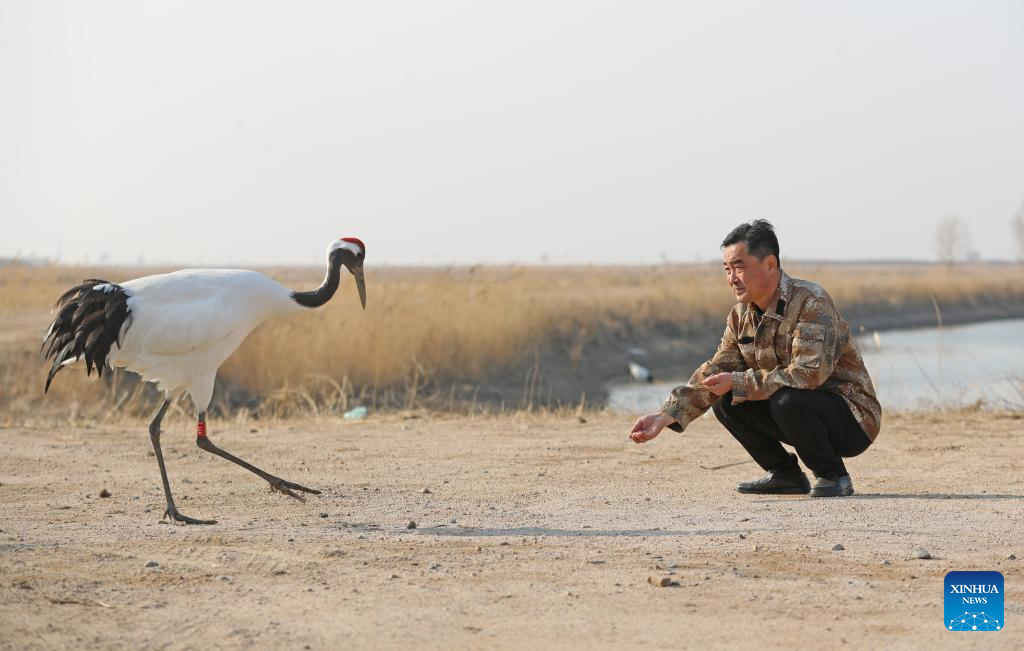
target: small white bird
640 373
177 329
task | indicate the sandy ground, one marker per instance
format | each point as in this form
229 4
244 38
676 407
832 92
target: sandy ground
536 532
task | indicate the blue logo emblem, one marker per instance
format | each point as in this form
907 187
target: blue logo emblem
974 601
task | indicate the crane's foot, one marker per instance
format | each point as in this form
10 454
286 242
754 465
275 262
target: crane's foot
173 514
286 487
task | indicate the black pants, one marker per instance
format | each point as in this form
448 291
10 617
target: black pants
818 424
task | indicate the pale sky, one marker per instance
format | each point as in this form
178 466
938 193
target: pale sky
493 132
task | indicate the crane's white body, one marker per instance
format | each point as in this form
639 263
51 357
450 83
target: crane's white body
177 329
185 324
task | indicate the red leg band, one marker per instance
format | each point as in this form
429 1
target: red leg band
201 429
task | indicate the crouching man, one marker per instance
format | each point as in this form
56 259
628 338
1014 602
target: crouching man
786 371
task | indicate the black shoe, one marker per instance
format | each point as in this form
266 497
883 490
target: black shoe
791 481
832 487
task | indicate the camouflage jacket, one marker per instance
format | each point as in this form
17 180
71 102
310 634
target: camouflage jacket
803 343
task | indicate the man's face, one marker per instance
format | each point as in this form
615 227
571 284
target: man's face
751 280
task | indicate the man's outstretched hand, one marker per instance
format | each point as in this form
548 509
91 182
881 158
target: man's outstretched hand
649 426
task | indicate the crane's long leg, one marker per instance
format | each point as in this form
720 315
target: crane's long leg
154 436
276 483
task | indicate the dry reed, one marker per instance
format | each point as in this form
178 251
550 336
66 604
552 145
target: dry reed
438 326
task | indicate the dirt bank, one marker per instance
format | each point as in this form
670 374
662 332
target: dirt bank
533 532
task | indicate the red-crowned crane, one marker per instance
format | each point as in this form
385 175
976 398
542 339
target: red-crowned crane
177 329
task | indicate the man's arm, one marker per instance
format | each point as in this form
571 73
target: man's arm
815 351
690 400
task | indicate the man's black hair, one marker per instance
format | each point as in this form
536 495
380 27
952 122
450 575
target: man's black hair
758 235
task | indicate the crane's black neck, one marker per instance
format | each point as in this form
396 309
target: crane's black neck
325 291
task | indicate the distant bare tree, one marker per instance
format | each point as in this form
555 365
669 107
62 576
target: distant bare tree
952 239
1017 224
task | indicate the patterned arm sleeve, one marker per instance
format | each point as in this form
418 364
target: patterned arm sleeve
688 401
814 354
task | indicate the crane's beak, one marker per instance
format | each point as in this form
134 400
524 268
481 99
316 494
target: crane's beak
357 271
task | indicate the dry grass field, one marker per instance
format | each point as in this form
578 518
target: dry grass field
427 329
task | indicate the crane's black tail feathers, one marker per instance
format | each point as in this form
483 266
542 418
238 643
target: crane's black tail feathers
89 319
